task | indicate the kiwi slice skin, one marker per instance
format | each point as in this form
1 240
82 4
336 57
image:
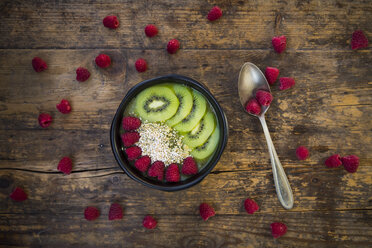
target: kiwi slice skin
197 112
156 104
205 150
201 132
184 96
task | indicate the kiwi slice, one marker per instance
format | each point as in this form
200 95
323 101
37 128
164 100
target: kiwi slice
201 132
185 98
205 150
198 109
156 103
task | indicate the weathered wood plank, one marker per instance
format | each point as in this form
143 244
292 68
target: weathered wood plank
41 150
245 24
316 96
300 116
326 229
314 190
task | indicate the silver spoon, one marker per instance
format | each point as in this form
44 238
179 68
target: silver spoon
252 79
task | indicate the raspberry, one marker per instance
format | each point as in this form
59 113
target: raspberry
91 213
143 163
214 14
151 30
333 161
130 138
131 123
263 97
141 65
278 229
253 107
65 165
350 163
45 120
111 22
189 166
116 212
279 43
64 107
173 46
359 40
149 222
302 153
103 60
286 83
250 206
39 64
18 195
82 74
133 152
206 211
157 170
172 174
271 74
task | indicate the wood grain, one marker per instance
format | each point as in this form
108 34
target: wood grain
313 190
329 111
292 117
187 231
75 24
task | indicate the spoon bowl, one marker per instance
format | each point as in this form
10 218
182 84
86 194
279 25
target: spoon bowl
251 79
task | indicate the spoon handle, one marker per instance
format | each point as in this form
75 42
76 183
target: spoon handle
283 189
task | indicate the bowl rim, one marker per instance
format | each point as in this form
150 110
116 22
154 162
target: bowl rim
220 115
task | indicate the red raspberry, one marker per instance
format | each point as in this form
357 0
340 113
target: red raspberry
141 65
263 97
18 195
91 213
65 165
116 212
206 211
133 152
143 163
45 120
214 14
82 74
286 83
333 161
250 206
39 65
253 107
157 170
173 46
359 40
278 229
350 163
279 43
302 153
111 22
189 166
130 138
271 74
149 222
103 60
172 174
131 123
64 107
151 30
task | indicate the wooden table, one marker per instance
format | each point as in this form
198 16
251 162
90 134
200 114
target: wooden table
329 111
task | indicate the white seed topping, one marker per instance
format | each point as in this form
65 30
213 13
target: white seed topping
161 142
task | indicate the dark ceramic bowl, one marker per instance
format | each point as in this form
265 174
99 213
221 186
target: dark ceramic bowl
117 147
